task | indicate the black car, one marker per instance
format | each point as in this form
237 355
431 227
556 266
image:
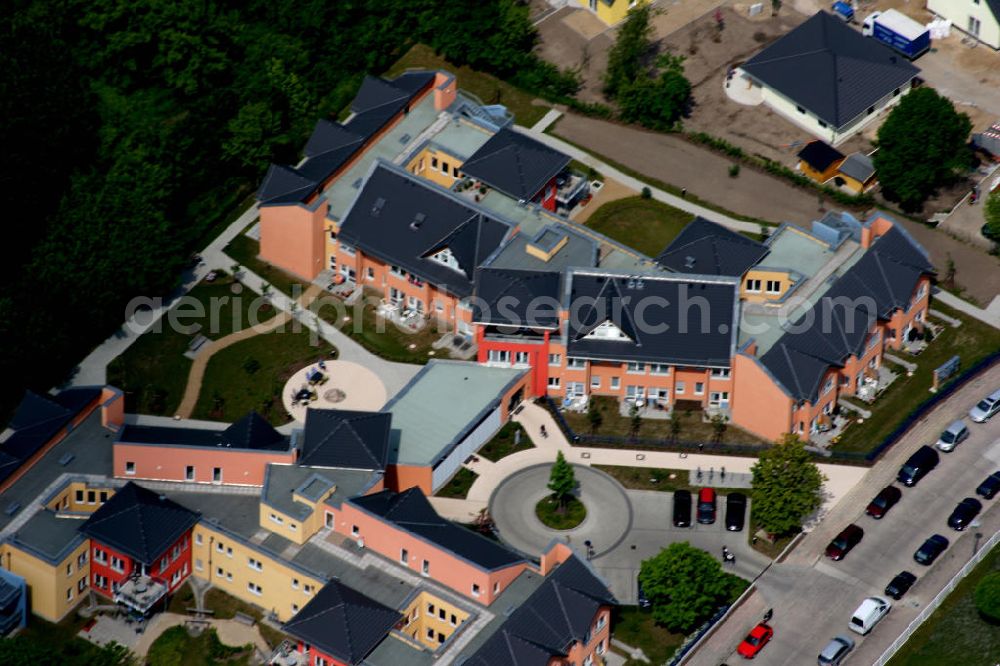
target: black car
682 508
990 487
900 585
930 550
642 600
885 500
918 466
964 513
736 509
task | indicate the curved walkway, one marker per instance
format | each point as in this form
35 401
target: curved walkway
230 632
197 372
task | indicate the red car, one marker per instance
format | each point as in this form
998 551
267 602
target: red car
755 641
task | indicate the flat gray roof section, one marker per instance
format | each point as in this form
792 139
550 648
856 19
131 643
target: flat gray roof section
393 651
578 251
282 481
237 513
440 405
460 138
50 537
376 583
796 250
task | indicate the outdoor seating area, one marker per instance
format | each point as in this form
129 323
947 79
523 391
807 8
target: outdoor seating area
286 655
575 403
333 385
406 318
141 592
875 382
828 430
457 345
123 629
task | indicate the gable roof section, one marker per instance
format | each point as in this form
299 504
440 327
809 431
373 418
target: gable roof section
343 622
837 325
404 220
410 511
707 248
560 612
830 69
858 166
522 298
332 144
819 155
37 419
139 522
346 439
677 319
251 432
516 164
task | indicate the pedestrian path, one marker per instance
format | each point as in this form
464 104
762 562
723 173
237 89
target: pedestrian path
230 632
990 316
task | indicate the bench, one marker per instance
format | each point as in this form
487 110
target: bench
197 342
243 618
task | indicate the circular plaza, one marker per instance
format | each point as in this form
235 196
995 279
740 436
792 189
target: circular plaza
608 510
333 385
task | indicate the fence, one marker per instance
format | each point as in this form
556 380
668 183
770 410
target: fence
938 600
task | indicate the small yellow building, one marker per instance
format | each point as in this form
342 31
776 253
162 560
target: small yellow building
820 161
611 11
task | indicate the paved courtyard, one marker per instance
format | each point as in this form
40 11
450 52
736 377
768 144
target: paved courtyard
347 385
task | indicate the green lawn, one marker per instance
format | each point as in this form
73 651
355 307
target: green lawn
459 485
244 250
955 634
566 517
636 628
489 89
225 607
176 646
502 444
693 429
43 642
646 225
251 375
972 340
153 371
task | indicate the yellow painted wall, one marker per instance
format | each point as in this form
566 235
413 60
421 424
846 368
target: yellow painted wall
424 613
854 184
66 499
422 165
294 529
52 592
764 276
283 589
610 11
820 176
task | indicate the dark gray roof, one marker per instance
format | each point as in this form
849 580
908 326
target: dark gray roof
665 319
517 298
49 536
560 612
37 420
707 248
344 438
830 69
343 622
250 432
410 511
139 522
516 164
820 155
281 482
332 144
837 325
405 220
858 166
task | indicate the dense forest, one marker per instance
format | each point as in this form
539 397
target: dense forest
132 128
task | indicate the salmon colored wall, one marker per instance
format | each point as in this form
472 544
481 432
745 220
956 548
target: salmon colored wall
873 229
445 568
445 90
165 463
555 556
112 408
578 652
402 477
538 357
292 237
757 403
919 305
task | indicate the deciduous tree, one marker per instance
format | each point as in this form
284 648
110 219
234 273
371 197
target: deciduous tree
987 596
786 487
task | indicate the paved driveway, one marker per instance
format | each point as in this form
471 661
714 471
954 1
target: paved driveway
813 598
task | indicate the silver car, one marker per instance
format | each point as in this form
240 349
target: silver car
836 651
952 436
986 408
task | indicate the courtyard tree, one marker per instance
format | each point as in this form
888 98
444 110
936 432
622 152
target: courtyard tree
923 145
627 55
719 426
635 420
562 480
594 416
987 596
992 212
657 102
685 585
787 486
675 425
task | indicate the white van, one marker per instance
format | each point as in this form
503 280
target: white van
868 614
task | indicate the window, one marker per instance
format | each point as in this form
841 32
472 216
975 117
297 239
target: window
81 560
293 527
601 621
347 249
659 369
129 469
440 637
595 383
100 556
721 373
229 576
499 356
217 475
555 359
822 124
425 568
69 568
295 583
69 593
434 163
679 388
454 172
522 358
219 572
554 382
164 563
636 368
718 398
198 566
275 518
601 647
576 363
496 588
753 286
699 388
800 109
355 531
615 383
442 613
255 588
198 539
255 564
774 286
404 555
91 497
430 633
430 609
118 564
871 110
454 620
307 589
79 493
895 93
370 273
320 661
828 385
397 271
229 551
295 608
104 496
445 167
219 547
475 590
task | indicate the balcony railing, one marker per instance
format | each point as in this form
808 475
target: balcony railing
140 592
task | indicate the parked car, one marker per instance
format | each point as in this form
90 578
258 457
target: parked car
835 651
755 641
990 486
900 585
918 466
964 513
642 601
930 550
706 506
868 614
844 542
682 508
986 408
736 510
885 500
952 436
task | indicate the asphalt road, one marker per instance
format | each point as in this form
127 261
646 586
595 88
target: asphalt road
813 597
